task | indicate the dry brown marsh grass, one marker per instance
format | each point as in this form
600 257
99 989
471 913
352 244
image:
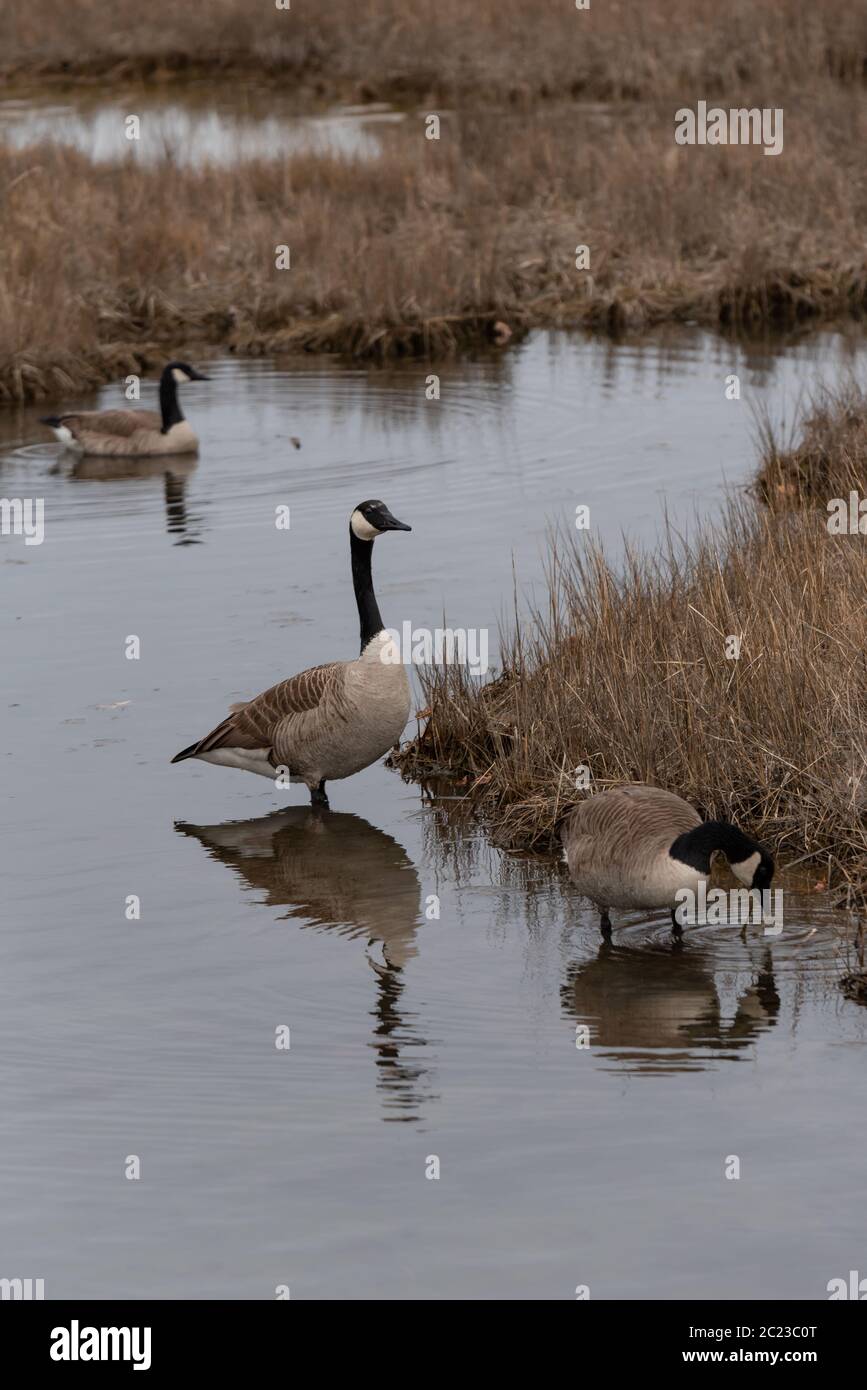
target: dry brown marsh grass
484 51
424 249
828 461
626 673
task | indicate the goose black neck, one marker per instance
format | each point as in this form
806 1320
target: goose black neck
695 847
169 405
362 579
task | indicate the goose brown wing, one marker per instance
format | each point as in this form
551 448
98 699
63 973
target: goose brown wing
117 423
630 814
252 723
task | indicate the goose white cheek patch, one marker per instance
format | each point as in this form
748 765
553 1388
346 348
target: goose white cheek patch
362 528
746 869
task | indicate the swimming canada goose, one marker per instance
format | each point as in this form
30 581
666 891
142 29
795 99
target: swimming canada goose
637 846
132 433
328 721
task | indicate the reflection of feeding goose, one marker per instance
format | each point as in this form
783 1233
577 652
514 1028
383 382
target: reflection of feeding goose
133 433
665 1003
328 721
637 846
335 869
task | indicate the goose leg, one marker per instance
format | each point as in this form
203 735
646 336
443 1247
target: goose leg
676 928
317 795
605 924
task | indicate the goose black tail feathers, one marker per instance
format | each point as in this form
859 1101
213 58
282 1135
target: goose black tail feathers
186 753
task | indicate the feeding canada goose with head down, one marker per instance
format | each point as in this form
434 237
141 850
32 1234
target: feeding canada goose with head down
133 433
637 847
332 720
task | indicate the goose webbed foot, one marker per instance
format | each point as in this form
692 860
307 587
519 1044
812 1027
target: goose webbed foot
317 795
605 924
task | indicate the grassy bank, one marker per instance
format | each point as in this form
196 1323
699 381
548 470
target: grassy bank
104 267
626 673
409 50
828 460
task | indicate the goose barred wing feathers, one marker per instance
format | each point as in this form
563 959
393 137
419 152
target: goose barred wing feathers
270 720
116 423
617 825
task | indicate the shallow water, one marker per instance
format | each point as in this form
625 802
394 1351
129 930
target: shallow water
222 123
411 1035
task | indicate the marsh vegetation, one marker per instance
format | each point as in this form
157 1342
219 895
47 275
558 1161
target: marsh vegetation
729 665
395 50
544 146
726 661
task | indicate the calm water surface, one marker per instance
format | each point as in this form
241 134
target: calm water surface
411 1035
223 122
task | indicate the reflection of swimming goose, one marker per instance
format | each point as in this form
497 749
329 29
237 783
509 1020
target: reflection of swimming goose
132 433
112 470
328 721
664 1005
335 869
177 520
635 846
174 471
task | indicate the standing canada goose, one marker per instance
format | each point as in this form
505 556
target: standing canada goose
131 433
637 846
329 721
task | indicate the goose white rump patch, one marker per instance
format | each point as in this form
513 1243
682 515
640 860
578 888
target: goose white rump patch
244 759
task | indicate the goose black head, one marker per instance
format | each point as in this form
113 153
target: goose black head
182 371
370 519
748 860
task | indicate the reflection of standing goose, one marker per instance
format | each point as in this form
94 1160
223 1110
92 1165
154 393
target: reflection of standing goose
132 433
328 721
338 872
636 846
335 869
662 1009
